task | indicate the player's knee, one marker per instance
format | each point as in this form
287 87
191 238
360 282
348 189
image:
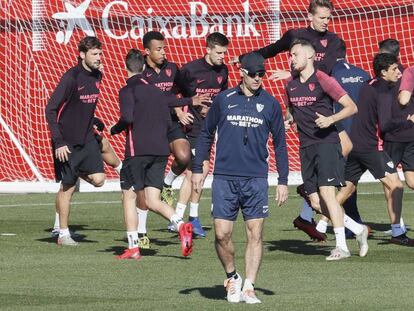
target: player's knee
99 180
223 237
410 183
183 158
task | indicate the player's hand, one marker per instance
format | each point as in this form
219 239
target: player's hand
185 118
101 67
410 117
197 181
282 193
288 124
99 125
280 75
204 111
200 100
234 61
62 153
110 129
323 122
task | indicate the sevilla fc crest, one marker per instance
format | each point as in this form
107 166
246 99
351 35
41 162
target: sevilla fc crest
311 86
219 79
259 107
97 84
168 72
324 43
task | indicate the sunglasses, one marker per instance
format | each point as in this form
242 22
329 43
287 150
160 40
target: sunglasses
253 75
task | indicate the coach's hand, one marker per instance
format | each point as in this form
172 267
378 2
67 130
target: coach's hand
323 122
234 61
197 181
185 118
62 153
282 193
201 100
279 75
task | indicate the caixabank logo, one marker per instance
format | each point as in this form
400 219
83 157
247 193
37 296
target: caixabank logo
192 22
74 16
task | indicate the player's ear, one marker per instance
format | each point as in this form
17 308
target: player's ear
310 17
82 55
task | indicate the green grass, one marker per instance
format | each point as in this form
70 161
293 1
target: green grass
35 274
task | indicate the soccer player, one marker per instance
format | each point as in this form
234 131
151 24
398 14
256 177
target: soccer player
108 156
375 95
70 115
146 117
351 79
244 116
163 74
407 87
205 76
310 100
326 43
391 46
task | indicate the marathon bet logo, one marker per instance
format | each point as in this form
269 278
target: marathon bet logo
198 23
75 16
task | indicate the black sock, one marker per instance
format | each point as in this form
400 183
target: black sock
232 274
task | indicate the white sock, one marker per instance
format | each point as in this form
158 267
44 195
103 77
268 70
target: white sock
169 178
177 221
306 212
142 220
322 226
64 232
193 209
340 238
132 239
118 168
180 209
402 224
57 224
397 230
248 285
353 225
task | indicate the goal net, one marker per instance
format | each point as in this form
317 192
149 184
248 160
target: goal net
39 43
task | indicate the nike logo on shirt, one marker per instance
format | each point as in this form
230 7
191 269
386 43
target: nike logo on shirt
231 106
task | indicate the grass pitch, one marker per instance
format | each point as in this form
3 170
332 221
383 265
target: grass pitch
36 274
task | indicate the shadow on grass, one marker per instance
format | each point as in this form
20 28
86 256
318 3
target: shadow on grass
378 227
75 228
81 238
118 250
298 247
218 292
154 241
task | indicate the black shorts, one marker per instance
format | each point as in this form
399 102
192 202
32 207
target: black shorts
378 163
401 153
322 165
193 145
175 132
83 160
140 172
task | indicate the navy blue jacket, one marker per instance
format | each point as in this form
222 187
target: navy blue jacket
351 78
243 125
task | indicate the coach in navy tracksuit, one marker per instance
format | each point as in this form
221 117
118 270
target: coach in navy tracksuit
243 117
